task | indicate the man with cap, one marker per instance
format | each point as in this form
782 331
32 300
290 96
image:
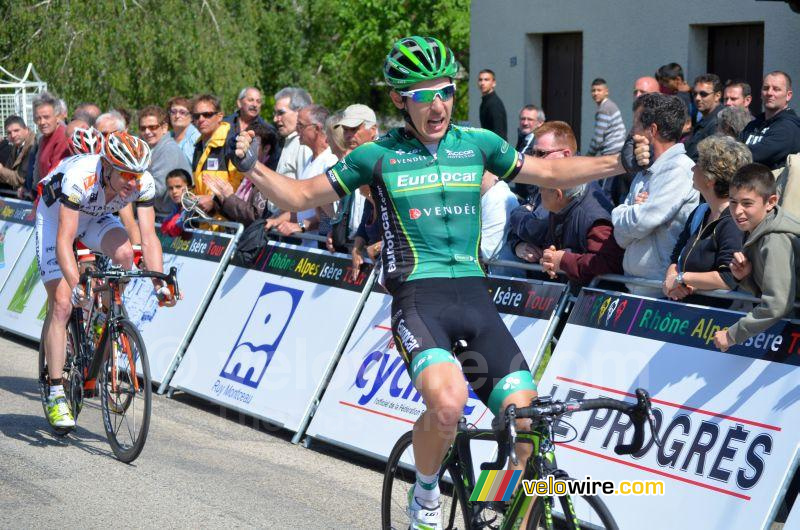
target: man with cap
359 126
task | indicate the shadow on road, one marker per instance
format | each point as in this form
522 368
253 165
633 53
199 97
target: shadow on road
34 430
27 387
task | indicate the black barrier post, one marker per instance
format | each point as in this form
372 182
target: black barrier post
226 257
328 374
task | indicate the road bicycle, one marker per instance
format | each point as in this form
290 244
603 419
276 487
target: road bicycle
457 481
106 356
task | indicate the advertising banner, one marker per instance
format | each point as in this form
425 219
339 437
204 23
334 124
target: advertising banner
16 227
371 401
728 421
23 300
270 332
198 257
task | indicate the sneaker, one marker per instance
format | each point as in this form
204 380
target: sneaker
58 413
423 518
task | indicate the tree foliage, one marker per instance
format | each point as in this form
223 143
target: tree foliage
132 53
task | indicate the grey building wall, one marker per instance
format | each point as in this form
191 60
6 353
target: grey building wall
622 40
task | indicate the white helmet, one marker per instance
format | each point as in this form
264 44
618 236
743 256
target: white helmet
87 141
126 152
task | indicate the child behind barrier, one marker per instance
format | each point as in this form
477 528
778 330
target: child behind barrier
178 181
767 265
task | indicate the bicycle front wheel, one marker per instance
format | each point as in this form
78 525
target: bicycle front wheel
571 512
400 476
125 396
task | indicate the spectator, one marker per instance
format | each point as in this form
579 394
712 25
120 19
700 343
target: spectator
111 121
178 182
288 101
211 153
580 235
22 140
492 111
531 118
737 93
701 258
83 116
368 236
529 223
768 265
497 203
774 134
645 85
648 223
671 82
62 111
311 130
707 98
165 156
53 144
609 131
247 115
359 125
732 120
183 131
246 203
87 112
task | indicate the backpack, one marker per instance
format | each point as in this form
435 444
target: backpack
252 241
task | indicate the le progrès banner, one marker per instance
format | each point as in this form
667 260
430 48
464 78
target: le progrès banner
728 421
371 400
270 332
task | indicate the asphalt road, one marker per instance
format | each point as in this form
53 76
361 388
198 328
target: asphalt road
202 467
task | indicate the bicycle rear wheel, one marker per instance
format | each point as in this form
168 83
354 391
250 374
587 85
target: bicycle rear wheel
125 397
400 476
72 382
572 512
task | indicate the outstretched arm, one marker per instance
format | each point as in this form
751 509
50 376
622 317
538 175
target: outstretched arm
568 172
288 194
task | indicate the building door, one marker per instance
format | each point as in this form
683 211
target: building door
562 68
737 52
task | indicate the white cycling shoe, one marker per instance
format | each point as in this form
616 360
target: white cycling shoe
423 518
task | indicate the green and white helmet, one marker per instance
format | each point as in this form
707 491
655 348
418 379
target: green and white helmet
415 59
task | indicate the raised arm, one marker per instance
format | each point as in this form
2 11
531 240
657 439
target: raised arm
288 194
568 172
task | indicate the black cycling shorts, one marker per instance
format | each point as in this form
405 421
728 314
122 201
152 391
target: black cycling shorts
433 314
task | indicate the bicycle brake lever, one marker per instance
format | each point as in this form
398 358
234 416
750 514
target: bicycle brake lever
512 432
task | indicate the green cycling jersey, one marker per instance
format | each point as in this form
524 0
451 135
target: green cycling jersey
428 199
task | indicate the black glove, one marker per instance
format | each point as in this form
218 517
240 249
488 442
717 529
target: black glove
248 161
628 159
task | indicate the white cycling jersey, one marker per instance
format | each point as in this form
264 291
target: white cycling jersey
78 185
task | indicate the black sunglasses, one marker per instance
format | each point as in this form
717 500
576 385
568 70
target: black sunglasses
207 115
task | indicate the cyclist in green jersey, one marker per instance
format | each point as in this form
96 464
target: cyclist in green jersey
426 180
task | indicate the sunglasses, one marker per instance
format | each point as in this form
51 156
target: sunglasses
428 95
127 175
179 112
151 128
538 153
703 94
207 115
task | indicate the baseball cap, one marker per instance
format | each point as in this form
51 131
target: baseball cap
355 115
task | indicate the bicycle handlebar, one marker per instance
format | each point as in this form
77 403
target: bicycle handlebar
117 274
505 426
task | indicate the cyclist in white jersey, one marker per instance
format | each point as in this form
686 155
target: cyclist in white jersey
77 201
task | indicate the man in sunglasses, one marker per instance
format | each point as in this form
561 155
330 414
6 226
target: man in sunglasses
708 99
77 201
426 180
211 157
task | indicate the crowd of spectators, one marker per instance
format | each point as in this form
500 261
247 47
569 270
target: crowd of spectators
672 220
